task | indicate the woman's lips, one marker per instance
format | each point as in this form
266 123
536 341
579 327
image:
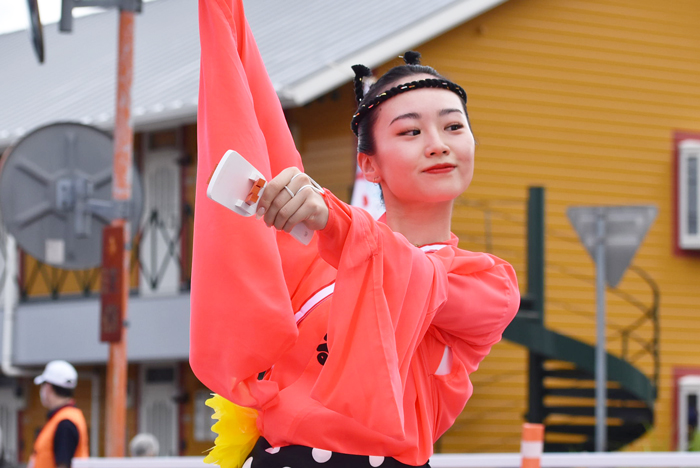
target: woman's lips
440 169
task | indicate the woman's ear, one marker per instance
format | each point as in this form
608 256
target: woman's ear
368 166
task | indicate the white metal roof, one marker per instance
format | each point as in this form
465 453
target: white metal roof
308 47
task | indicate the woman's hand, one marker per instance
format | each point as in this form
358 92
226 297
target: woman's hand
289 199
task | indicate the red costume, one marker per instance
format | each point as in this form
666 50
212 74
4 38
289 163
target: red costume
367 340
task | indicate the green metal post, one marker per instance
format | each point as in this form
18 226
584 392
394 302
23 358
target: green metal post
535 291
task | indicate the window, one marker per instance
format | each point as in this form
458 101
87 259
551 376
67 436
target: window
686 396
689 194
160 375
203 417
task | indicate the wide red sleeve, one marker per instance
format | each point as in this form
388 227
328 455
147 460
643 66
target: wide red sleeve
241 315
483 298
387 295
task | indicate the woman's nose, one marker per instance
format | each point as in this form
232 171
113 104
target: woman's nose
436 147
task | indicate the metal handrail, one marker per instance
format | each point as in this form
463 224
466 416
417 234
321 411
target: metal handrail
492 209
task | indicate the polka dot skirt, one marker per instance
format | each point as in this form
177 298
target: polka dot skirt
298 456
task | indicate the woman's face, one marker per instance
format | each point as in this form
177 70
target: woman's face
424 148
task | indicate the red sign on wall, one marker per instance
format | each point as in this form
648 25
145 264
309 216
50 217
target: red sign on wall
112 298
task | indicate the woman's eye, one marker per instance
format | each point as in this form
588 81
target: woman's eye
412 132
455 126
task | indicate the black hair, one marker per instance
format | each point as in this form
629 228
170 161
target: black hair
62 391
397 75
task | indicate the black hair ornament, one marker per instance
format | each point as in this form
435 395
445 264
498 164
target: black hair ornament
361 72
411 58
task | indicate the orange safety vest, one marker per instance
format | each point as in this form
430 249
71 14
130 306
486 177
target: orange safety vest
43 454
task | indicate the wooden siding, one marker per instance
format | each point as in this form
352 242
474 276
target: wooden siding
581 97
322 134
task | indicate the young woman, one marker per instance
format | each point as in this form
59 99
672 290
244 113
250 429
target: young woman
367 336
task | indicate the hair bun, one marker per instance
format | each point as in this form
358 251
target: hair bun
361 71
412 57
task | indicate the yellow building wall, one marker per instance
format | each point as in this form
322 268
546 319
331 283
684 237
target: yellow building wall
581 97
322 135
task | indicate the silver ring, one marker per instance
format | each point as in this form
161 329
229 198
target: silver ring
315 187
294 177
303 187
289 191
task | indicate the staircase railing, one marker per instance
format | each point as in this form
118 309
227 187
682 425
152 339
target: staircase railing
638 340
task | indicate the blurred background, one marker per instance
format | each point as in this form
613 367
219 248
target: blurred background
572 102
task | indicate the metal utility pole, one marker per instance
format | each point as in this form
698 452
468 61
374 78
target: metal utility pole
601 372
115 274
121 192
611 235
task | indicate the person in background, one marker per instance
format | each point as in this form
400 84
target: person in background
144 445
64 436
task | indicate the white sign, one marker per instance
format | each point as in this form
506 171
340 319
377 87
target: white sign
625 229
55 252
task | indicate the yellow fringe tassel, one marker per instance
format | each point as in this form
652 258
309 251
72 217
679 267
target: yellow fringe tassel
236 433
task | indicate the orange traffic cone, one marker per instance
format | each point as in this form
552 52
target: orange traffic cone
531 445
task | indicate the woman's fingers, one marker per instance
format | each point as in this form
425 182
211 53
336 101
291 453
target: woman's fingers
313 211
275 195
288 200
296 208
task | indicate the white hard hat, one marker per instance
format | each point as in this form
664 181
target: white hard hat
60 373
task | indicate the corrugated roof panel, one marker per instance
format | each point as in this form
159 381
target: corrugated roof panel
298 39
77 81
314 35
